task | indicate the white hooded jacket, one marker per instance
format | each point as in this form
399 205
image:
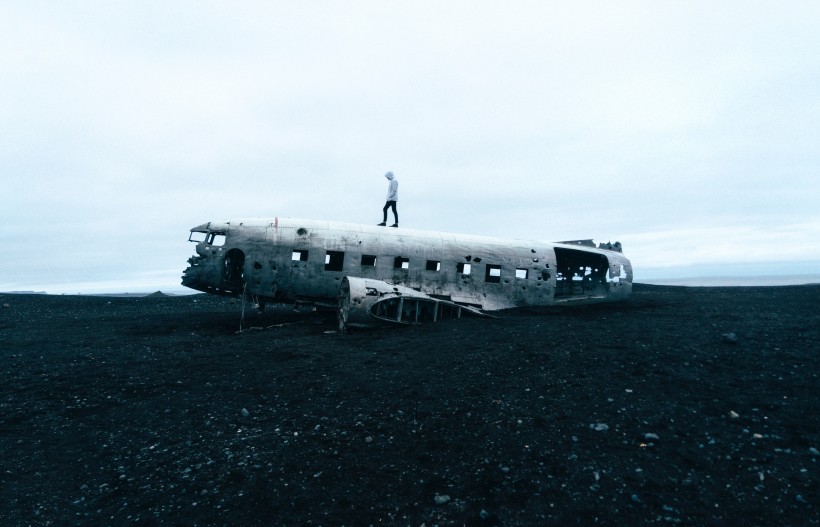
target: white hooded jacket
392 188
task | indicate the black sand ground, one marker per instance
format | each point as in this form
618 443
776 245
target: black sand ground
156 411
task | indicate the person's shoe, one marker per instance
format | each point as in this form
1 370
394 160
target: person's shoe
395 225
382 224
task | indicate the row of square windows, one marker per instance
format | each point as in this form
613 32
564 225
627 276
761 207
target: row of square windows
334 261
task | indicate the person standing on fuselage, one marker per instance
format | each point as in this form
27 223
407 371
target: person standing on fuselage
392 198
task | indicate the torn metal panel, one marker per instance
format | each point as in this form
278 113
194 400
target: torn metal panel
365 302
295 260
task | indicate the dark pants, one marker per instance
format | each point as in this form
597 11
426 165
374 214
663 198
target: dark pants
395 214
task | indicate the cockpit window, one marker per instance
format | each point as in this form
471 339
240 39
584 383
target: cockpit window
216 239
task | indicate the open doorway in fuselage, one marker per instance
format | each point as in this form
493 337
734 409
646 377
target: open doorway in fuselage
233 270
580 274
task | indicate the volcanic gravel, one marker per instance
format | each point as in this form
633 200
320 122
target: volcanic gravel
690 406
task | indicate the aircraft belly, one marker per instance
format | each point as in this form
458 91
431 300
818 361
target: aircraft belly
364 302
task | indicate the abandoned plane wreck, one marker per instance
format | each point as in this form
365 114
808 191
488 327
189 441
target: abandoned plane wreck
398 276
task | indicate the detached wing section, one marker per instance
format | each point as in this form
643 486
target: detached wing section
364 302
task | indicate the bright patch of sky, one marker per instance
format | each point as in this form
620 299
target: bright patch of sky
686 130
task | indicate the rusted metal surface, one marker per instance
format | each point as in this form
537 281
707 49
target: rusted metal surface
295 260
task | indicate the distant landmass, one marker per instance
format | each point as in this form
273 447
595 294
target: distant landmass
738 281
155 294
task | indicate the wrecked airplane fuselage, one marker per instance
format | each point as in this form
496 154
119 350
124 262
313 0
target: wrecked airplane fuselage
376 275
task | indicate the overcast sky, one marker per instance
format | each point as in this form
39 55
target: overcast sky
689 131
